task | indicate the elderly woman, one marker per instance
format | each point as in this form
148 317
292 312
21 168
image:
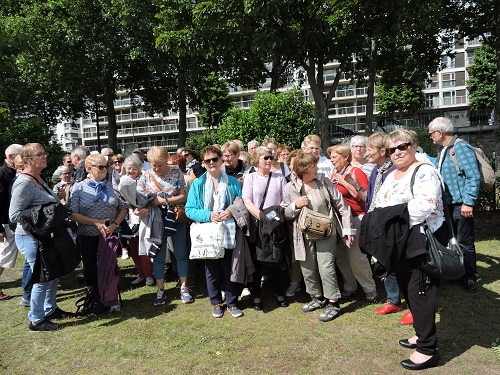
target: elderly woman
28 191
316 256
410 208
352 183
358 151
283 152
276 166
63 188
208 199
167 182
233 166
376 150
98 210
132 168
260 191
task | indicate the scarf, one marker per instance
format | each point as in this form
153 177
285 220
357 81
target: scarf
101 192
215 200
378 182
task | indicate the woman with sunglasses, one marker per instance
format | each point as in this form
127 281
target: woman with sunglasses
28 191
98 210
414 205
254 192
276 166
167 183
352 183
208 200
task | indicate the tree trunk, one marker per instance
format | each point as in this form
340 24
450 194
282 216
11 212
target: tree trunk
182 106
109 101
497 48
370 98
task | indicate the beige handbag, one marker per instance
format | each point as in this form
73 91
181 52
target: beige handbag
314 225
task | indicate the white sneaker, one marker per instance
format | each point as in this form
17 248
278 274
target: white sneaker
115 308
137 281
293 288
125 254
150 281
245 294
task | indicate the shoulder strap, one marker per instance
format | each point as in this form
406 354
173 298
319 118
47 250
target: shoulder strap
38 182
157 183
265 192
453 155
282 165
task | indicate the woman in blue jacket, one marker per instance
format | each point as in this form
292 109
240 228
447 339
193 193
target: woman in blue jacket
208 199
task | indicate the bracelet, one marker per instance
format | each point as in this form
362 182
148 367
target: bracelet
359 188
114 222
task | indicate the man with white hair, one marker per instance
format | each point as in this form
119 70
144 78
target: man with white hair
252 145
8 248
78 156
312 145
461 190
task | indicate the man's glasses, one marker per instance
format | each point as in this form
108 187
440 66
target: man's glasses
41 155
211 160
268 157
186 154
432 132
226 156
401 147
100 167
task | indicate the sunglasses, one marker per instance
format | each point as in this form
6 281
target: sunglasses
401 147
268 157
186 155
214 160
100 167
118 161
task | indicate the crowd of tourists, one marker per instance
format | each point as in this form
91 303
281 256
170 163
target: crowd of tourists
262 203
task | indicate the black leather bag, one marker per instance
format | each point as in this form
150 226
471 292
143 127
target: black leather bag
443 262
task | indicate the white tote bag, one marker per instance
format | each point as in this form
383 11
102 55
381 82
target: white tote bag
207 241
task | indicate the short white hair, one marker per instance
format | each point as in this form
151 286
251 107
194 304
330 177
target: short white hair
106 151
13 149
358 139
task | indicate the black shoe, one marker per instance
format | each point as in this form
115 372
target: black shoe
406 344
60 314
282 303
431 362
257 306
471 286
44 326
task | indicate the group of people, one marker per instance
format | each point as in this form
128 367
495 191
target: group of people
363 187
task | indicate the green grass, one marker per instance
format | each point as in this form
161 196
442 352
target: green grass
186 339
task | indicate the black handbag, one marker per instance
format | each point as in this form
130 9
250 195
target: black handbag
442 262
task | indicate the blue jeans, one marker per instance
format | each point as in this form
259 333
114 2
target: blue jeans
26 284
180 252
464 230
43 295
392 289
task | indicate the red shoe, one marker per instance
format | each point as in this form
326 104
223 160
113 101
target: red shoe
4 297
407 318
388 309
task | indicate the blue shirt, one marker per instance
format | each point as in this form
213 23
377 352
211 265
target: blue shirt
463 187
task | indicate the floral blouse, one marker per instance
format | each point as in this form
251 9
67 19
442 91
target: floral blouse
172 182
425 205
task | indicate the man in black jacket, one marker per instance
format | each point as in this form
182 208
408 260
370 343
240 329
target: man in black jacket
8 249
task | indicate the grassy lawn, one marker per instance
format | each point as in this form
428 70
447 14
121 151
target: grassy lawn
186 339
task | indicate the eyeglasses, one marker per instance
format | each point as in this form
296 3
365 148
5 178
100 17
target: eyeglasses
118 161
268 157
313 148
226 156
401 147
41 155
186 155
212 160
432 132
100 167
358 146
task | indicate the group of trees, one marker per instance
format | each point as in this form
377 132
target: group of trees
68 58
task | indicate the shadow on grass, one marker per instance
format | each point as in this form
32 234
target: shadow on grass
469 319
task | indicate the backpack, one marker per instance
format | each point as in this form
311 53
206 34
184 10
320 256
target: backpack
485 169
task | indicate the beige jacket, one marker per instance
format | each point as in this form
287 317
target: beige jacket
336 205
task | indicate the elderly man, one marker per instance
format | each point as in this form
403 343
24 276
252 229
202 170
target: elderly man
8 249
462 190
146 165
312 145
78 156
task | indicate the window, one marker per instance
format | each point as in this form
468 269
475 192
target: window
432 100
448 62
434 82
329 75
448 79
344 91
449 98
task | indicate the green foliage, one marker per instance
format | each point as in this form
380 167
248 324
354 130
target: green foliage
286 116
213 100
400 98
481 83
198 141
